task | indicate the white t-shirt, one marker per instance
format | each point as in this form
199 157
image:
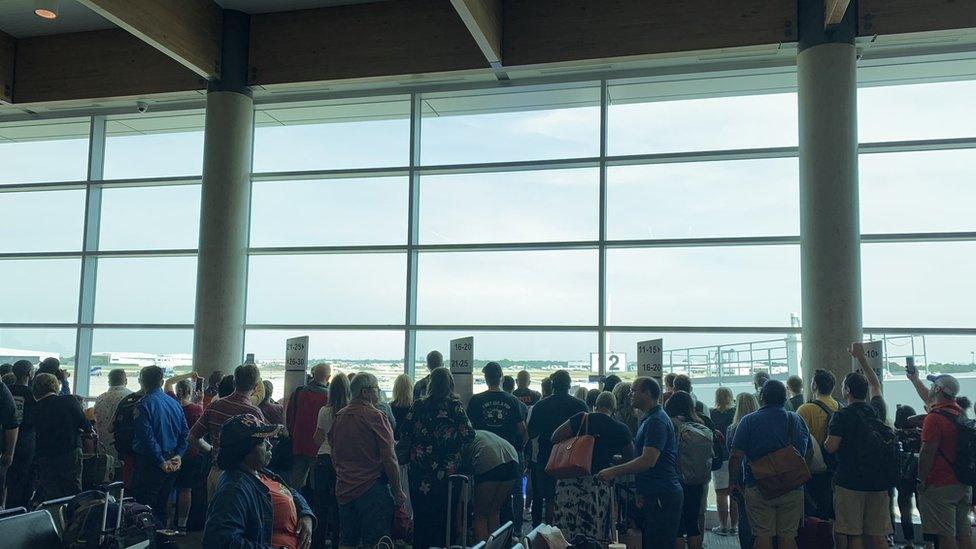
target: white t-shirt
325 424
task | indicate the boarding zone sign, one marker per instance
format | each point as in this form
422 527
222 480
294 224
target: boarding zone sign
650 354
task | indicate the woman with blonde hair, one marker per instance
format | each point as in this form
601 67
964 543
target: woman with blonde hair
625 412
402 400
722 415
745 404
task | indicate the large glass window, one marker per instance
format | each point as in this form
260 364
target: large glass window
703 286
165 145
39 290
49 221
333 135
934 110
643 121
508 287
146 290
133 349
42 151
709 199
488 126
150 218
328 212
925 191
527 206
327 289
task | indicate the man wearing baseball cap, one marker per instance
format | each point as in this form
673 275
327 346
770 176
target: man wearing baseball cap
253 506
943 501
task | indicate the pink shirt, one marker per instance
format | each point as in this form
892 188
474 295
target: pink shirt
360 437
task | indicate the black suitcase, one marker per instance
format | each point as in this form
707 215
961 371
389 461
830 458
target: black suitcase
97 469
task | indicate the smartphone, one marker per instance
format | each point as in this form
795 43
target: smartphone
910 365
199 384
249 359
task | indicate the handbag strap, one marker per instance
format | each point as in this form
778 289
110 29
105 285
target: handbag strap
584 425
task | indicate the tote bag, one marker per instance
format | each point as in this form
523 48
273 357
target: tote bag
572 457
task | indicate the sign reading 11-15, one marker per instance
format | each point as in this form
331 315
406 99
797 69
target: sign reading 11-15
649 358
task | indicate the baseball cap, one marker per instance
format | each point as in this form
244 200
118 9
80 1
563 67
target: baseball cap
949 384
492 370
243 427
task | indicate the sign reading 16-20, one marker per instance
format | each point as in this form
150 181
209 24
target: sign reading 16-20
649 358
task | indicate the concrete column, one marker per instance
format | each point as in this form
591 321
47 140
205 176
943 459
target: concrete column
225 201
830 240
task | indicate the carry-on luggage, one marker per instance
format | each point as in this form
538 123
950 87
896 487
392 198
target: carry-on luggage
463 485
97 469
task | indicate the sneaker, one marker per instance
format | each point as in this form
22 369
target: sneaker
720 531
734 531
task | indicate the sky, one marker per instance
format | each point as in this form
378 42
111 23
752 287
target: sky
904 285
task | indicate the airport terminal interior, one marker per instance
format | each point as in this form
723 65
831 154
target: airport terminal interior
218 197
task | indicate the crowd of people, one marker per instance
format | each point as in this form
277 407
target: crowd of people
340 464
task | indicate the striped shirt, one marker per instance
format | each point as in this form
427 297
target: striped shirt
219 412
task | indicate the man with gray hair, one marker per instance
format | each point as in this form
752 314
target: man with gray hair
362 451
302 418
105 406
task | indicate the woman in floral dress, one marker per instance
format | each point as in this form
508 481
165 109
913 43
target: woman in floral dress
434 430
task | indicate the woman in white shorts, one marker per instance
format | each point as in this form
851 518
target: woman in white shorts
721 415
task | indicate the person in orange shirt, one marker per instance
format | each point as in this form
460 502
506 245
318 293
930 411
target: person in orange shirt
253 506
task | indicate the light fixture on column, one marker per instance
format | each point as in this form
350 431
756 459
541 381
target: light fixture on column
46 9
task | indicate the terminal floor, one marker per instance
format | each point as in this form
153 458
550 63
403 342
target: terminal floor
192 541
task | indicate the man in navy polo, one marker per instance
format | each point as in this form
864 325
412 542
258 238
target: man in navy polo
659 493
159 442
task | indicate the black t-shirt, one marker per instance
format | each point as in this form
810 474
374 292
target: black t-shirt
400 415
796 401
24 410
528 396
611 438
722 420
58 422
498 412
547 415
854 467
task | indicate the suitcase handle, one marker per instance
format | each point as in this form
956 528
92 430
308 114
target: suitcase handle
464 483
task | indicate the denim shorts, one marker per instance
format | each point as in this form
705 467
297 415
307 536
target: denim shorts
367 518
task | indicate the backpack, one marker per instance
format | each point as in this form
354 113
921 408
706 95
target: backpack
122 423
965 465
695 453
83 518
880 450
830 460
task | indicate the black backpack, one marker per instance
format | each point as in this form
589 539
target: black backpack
965 465
880 451
122 423
830 460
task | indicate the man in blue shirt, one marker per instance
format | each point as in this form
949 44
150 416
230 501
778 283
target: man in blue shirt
159 442
659 494
758 434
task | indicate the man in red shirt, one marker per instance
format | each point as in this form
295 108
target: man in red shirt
943 501
219 412
302 418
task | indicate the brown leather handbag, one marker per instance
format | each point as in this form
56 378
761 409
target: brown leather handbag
779 472
572 457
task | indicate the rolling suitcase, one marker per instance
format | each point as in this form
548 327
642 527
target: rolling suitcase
815 534
97 469
463 485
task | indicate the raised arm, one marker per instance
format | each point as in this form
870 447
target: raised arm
874 384
168 385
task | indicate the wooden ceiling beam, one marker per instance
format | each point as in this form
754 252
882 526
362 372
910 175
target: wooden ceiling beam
834 11
483 18
95 65
882 17
188 31
360 41
8 53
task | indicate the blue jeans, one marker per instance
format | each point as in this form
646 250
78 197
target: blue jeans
661 514
368 517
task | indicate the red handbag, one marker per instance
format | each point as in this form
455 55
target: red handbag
572 457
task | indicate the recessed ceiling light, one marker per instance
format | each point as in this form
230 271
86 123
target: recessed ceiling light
46 9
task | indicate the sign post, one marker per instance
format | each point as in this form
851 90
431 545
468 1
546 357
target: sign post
296 363
462 366
874 353
649 359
